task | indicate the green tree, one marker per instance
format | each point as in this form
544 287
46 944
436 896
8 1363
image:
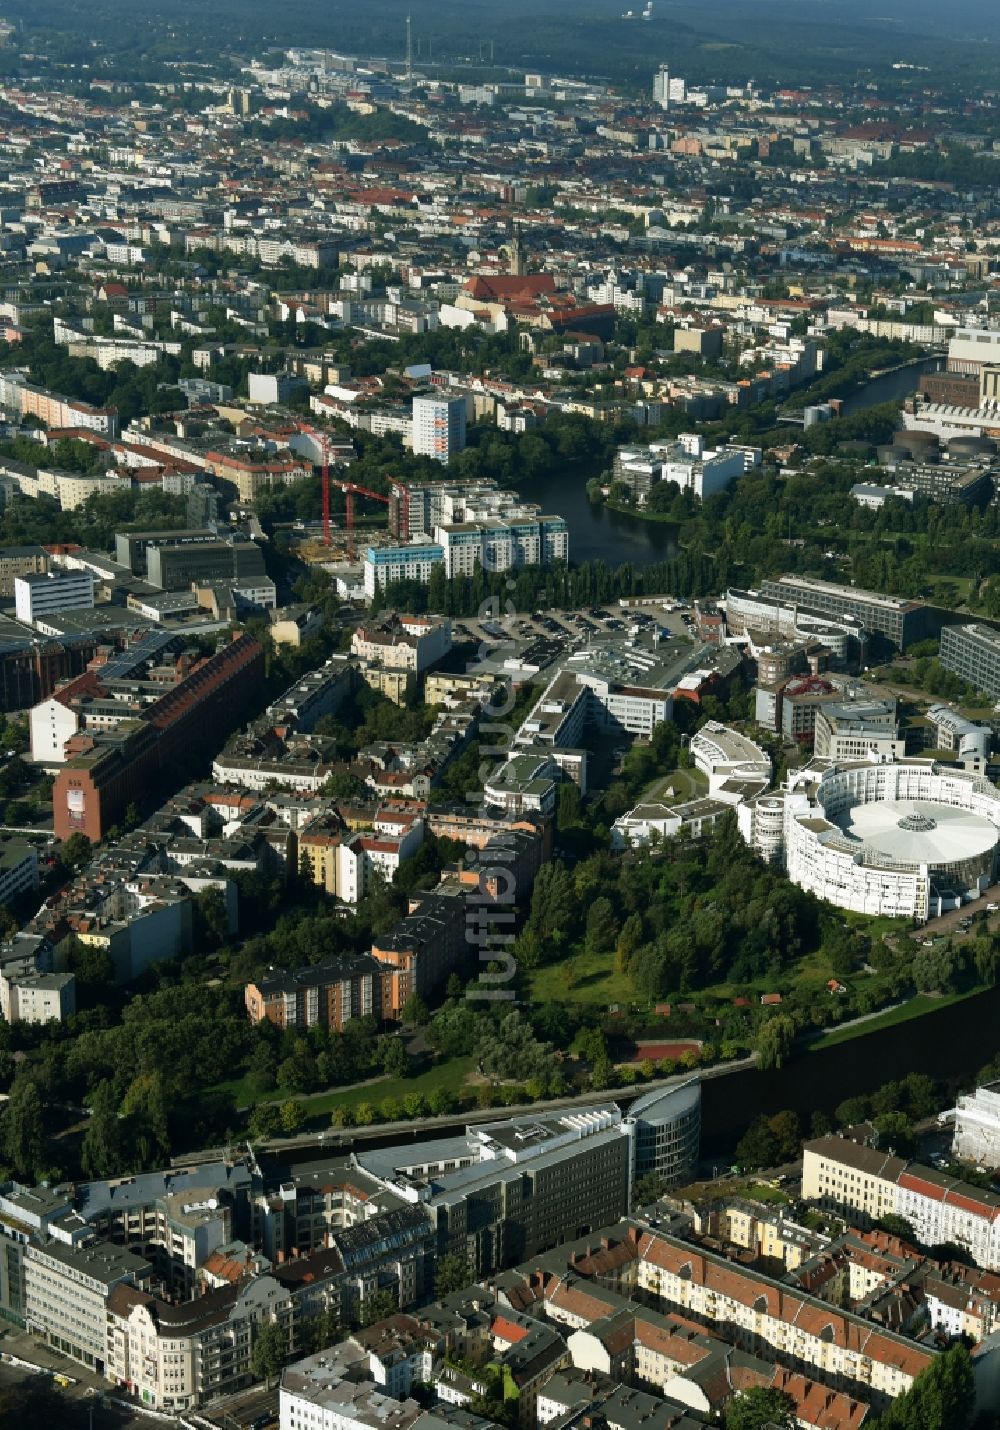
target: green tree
377 1307
761 1408
265 1121
897 1225
602 927
395 1063
941 1398
291 1116
101 1151
415 1011
774 1041
452 1274
24 1128
76 851
270 1349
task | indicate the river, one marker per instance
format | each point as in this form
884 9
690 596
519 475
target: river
950 1045
597 534
891 386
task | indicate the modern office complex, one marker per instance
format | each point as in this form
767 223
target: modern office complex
41 593
972 652
906 838
896 620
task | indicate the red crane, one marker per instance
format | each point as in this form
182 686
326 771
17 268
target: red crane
350 490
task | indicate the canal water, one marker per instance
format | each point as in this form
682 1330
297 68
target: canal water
950 1046
891 386
597 534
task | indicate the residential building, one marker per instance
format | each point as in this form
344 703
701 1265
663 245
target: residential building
864 1185
403 642
325 995
438 427
400 563
37 997
20 561
18 868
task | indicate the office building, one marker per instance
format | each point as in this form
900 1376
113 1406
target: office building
66 1291
106 772
972 652
899 622
661 87
438 427
175 567
41 593
858 730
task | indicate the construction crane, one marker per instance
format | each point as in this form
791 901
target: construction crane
350 490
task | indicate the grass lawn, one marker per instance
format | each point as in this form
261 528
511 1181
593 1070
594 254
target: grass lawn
451 1075
761 1192
916 1007
587 978
686 785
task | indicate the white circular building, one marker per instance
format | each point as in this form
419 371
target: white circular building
908 838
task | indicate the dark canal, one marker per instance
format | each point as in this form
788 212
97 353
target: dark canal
951 1045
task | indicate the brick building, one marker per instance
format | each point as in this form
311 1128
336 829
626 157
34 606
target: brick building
105 774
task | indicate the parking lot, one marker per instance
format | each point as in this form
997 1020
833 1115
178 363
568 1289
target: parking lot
578 627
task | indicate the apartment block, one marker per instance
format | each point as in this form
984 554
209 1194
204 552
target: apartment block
402 642
325 995
419 952
864 1184
438 427
20 561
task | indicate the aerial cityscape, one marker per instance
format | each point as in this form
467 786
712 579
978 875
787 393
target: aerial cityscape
500 716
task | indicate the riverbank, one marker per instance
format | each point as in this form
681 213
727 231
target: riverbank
922 1005
640 513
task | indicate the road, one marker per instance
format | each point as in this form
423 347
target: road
948 923
84 1388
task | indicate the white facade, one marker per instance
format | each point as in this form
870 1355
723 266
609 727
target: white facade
724 755
400 563
977 1126
503 544
38 997
438 427
39 594
661 87
843 869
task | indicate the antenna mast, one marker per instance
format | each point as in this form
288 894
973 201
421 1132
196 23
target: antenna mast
409 51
